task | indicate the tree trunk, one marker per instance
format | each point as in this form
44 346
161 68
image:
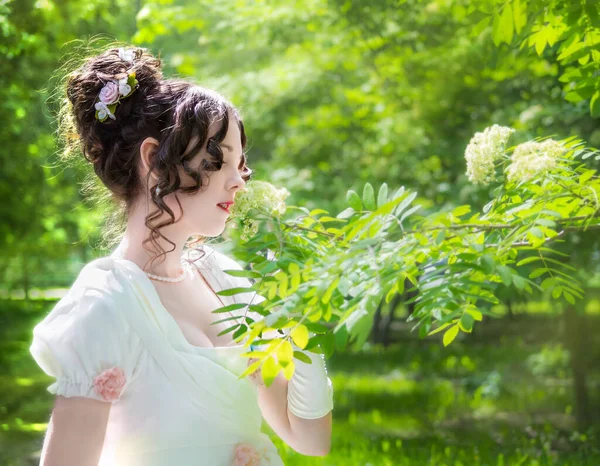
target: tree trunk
25 277
394 304
511 314
376 332
575 338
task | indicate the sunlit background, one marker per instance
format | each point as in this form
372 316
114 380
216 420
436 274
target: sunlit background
333 94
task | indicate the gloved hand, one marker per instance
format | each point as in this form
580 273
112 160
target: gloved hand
310 391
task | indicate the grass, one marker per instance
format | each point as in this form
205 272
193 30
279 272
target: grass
500 397
419 404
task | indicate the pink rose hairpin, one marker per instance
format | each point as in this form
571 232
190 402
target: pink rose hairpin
113 91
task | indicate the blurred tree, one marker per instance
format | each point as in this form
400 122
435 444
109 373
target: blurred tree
43 216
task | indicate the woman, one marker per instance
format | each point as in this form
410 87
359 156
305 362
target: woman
142 375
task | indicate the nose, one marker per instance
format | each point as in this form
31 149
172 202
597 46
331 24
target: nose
238 181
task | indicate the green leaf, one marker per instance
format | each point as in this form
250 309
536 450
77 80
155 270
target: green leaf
519 15
353 200
595 105
440 328
409 212
229 308
545 222
450 335
537 232
480 27
507 23
382 196
497 34
586 175
328 293
227 330
574 97
518 281
243 273
346 213
556 292
528 260
540 40
571 49
369 197
405 202
476 314
505 274
285 352
548 282
569 297
302 357
440 237
562 264
270 369
487 263
300 336
538 272
461 210
234 291
466 322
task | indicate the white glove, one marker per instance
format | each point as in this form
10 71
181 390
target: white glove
310 391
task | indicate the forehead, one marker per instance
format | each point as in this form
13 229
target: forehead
232 141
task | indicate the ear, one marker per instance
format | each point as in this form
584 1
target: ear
147 150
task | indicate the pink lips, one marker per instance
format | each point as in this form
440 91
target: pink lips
228 204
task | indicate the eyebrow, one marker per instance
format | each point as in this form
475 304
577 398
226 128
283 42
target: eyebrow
227 146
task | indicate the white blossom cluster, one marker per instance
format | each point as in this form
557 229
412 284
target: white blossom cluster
261 196
532 157
484 150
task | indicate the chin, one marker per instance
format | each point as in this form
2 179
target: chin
213 232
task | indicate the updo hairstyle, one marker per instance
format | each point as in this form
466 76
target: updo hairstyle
173 111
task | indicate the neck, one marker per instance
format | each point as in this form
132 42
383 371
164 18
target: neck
130 248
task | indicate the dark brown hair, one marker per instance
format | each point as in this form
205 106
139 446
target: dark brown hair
173 111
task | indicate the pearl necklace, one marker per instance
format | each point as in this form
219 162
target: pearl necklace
186 267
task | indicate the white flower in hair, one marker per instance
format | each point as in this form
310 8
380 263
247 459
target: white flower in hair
124 88
104 111
126 55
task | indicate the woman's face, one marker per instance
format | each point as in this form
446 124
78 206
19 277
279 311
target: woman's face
201 214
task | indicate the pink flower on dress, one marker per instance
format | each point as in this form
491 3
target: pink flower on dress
109 384
245 454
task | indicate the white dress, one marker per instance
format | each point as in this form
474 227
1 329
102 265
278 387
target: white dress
181 404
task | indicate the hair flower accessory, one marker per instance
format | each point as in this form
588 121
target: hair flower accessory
124 86
102 111
126 55
111 94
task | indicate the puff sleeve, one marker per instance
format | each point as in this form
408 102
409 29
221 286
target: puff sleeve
86 344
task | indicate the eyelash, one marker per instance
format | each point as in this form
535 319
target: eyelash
206 164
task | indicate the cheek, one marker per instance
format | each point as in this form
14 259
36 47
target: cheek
196 205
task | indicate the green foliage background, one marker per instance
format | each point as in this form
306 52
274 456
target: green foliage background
333 94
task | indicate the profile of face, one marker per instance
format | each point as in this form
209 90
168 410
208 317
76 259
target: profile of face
200 213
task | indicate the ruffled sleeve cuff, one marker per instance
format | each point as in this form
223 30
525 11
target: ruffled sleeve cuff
106 386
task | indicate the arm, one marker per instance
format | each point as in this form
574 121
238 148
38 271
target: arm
310 437
75 432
